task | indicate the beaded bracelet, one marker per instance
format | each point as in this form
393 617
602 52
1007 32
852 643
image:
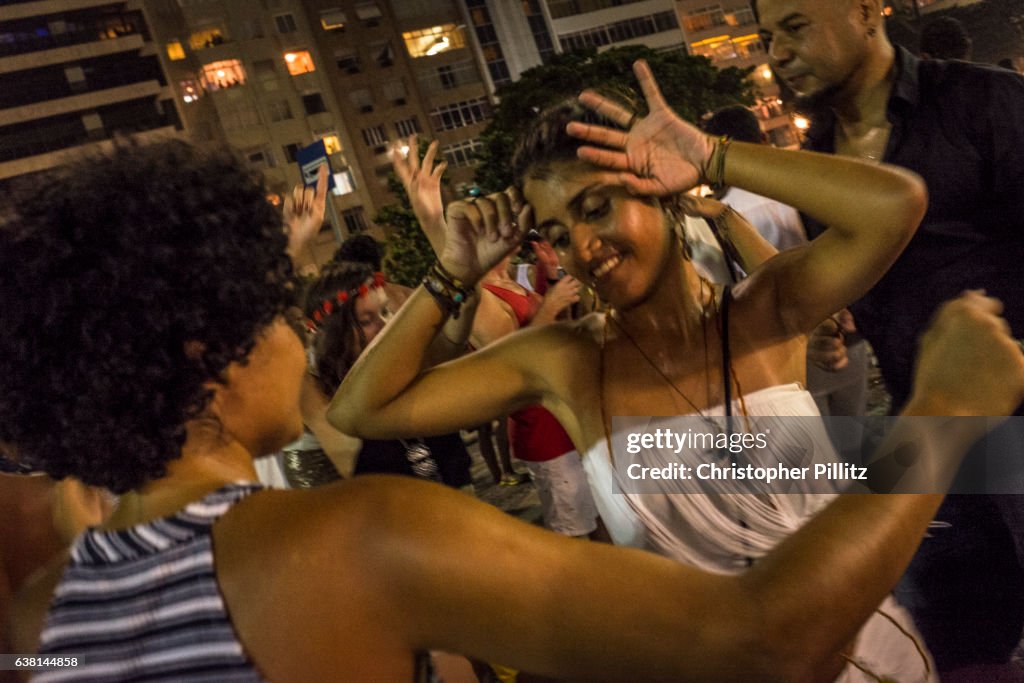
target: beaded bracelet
714 172
448 291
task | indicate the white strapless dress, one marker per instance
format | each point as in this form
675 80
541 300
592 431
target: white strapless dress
724 532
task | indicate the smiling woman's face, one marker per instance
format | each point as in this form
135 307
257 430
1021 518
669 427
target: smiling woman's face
603 235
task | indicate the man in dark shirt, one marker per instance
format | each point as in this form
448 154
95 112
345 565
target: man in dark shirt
961 127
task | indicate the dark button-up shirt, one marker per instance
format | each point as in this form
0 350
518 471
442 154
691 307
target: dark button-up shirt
961 127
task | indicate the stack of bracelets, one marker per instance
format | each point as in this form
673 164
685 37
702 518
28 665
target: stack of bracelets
714 171
448 291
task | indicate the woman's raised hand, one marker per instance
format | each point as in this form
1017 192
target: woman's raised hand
422 182
481 231
659 154
304 212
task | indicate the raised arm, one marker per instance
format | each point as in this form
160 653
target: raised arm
872 209
386 395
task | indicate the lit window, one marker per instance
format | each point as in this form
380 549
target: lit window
223 74
331 143
431 41
175 51
299 62
207 37
189 91
332 19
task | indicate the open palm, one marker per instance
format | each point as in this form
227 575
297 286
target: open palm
659 154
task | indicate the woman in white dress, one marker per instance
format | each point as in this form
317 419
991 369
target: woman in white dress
668 346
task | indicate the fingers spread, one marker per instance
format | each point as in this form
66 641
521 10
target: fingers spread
652 93
606 158
609 137
428 158
612 111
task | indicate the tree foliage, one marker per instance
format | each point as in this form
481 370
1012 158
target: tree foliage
692 85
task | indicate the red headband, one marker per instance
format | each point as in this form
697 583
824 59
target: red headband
329 305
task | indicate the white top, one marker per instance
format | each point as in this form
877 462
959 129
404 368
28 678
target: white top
718 532
778 223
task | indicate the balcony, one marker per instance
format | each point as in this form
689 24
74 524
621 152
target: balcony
32 156
75 103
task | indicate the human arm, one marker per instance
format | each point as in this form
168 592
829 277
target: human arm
751 248
872 209
303 216
422 182
422 565
341 449
561 296
385 394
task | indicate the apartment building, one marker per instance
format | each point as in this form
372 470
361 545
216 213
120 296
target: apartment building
72 75
608 23
256 68
727 33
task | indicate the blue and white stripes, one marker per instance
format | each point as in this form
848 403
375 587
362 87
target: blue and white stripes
142 604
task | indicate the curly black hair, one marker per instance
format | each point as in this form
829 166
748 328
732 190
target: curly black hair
339 338
127 281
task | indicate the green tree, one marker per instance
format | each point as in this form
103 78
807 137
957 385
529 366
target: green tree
692 85
408 254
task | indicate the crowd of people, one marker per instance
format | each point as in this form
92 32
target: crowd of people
157 348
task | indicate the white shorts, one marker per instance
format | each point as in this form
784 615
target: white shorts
565 499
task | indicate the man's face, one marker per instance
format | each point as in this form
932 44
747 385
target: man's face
816 46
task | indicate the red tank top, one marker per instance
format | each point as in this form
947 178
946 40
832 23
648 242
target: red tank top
534 433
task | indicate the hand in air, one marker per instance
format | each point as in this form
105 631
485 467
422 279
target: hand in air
968 363
304 212
659 154
481 231
547 259
422 182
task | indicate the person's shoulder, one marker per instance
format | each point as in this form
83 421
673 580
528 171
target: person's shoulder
946 78
304 570
31 604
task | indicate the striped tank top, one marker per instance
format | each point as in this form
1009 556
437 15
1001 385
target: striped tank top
143 603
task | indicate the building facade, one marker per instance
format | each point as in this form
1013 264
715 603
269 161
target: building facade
73 74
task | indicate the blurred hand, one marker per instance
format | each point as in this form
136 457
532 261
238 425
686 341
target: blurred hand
481 231
826 347
304 212
561 296
659 154
422 182
968 362
547 259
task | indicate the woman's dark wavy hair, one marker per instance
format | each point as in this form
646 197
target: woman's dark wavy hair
339 339
127 282
545 142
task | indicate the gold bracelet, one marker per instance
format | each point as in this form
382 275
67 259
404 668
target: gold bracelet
715 173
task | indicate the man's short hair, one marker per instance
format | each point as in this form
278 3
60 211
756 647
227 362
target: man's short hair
738 122
945 38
